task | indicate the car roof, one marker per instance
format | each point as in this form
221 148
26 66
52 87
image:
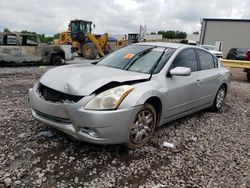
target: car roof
162 44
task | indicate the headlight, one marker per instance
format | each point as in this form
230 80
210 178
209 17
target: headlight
110 99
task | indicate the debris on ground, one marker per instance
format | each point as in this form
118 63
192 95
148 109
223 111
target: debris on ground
211 149
167 145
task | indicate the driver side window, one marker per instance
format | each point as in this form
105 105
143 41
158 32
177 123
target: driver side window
186 58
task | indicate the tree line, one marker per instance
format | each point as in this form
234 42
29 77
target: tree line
42 37
170 34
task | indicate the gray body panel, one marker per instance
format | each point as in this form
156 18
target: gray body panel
83 79
179 96
10 54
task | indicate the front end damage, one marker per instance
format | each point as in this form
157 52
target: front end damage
67 114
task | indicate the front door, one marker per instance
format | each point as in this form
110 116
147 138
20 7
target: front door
183 91
30 48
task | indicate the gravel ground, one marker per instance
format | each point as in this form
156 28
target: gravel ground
210 149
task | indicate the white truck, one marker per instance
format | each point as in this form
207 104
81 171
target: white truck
27 48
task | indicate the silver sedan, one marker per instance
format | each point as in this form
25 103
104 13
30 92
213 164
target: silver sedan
122 98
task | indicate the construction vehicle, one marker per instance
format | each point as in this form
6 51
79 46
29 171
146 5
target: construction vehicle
85 43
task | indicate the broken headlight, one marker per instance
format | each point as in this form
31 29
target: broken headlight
109 99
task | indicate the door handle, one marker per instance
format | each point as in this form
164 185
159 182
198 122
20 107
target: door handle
197 82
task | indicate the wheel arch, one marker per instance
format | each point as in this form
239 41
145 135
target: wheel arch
225 86
61 54
157 104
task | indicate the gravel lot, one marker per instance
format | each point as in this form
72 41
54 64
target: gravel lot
211 149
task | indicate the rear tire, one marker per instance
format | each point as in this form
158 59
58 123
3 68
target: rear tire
89 51
219 99
143 127
248 76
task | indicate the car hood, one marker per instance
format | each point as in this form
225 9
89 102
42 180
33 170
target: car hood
84 79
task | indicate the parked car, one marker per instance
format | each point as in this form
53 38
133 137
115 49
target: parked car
25 48
213 50
239 54
124 96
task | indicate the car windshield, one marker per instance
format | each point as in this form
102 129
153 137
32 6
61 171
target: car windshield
138 58
209 47
241 50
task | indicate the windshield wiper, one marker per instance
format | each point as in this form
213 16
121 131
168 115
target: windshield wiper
156 64
95 62
137 56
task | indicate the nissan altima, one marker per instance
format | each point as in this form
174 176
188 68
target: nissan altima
122 98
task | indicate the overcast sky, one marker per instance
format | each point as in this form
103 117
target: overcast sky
117 16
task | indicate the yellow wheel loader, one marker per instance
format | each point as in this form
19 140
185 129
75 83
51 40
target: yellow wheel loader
83 42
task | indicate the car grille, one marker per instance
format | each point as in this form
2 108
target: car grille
56 96
52 118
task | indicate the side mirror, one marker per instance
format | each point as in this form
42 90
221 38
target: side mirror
180 71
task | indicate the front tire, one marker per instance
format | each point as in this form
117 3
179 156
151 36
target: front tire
219 99
89 51
143 127
57 60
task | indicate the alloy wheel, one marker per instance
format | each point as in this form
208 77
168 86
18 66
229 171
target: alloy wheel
143 126
220 98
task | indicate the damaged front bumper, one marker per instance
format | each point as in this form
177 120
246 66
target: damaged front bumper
99 127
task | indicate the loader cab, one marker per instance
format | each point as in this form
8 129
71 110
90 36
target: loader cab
133 38
79 28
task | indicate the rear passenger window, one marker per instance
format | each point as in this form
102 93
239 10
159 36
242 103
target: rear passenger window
8 40
206 60
186 58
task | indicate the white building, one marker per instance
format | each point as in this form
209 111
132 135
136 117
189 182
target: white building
225 33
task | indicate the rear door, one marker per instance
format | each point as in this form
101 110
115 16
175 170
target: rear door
183 91
9 48
209 76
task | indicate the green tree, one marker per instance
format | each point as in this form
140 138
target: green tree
163 33
6 30
28 32
181 35
56 36
170 34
